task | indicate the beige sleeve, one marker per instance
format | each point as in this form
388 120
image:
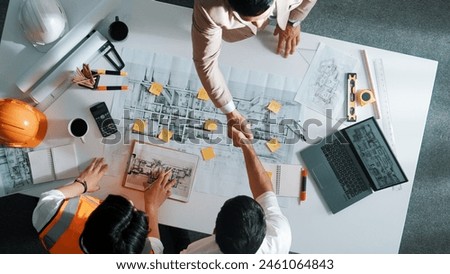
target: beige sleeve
302 10
206 44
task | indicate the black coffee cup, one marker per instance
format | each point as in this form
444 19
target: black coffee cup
118 30
78 128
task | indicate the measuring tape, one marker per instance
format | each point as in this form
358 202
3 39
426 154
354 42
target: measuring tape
383 99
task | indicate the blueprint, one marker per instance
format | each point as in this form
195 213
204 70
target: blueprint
15 173
323 86
178 110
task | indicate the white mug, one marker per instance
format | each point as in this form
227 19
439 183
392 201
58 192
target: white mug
78 128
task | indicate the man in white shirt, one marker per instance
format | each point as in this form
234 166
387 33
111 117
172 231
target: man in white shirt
246 225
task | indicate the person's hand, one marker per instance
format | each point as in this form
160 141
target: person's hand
93 173
239 138
158 191
238 122
288 39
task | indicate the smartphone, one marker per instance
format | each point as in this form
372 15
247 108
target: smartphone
103 119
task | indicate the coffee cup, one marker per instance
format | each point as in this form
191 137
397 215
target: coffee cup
118 30
78 128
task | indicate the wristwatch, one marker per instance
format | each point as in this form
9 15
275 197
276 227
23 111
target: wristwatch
294 23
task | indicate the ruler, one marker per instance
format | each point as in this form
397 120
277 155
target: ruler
383 99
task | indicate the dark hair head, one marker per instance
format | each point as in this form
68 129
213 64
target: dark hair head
250 7
240 226
115 226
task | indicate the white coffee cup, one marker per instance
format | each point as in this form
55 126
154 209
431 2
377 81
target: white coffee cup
78 128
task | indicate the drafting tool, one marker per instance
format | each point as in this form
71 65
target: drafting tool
110 72
351 97
376 107
364 97
384 100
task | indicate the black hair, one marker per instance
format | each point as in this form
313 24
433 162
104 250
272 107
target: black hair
115 226
250 7
240 226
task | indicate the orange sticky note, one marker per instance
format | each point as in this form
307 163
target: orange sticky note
202 94
208 153
273 145
165 135
210 125
139 125
274 106
269 173
155 88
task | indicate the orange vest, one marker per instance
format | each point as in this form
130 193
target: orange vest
62 234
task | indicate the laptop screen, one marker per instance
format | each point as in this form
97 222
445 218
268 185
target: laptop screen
375 154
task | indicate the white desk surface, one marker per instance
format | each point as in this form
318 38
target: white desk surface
373 225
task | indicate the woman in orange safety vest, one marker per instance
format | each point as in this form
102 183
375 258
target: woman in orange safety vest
70 222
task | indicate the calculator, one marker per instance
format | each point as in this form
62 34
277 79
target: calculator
103 119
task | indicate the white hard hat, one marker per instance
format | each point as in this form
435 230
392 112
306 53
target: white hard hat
43 21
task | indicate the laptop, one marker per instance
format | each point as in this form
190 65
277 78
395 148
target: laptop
352 163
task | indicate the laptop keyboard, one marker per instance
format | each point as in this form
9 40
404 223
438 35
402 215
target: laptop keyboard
342 165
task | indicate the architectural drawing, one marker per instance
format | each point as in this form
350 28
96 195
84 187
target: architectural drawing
15 173
323 86
178 110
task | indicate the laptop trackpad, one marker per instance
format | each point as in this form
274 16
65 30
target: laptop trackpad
322 174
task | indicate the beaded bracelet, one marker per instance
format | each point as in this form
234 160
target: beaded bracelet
83 183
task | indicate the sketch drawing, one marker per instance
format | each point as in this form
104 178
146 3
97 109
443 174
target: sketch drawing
147 161
323 86
179 110
15 173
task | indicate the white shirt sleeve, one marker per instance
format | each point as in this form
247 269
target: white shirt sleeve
278 236
157 245
46 208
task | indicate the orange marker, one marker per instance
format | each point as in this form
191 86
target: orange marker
304 175
112 88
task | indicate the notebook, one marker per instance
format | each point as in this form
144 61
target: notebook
146 161
53 164
352 163
285 178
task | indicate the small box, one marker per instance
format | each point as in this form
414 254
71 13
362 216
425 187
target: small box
274 106
208 153
165 135
273 145
156 88
202 94
139 126
210 125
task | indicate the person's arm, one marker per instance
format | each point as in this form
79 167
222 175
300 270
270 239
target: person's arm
50 201
258 179
154 197
289 37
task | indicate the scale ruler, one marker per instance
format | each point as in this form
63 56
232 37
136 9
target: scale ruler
383 99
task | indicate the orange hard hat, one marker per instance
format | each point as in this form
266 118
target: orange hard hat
21 125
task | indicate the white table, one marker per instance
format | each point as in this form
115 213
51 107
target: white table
373 225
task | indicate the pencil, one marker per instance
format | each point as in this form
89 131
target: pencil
112 88
304 175
110 72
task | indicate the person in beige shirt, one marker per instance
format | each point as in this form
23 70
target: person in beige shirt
235 20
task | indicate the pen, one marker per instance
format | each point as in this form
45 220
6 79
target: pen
110 72
304 174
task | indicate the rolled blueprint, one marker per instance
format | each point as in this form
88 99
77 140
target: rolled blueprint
66 44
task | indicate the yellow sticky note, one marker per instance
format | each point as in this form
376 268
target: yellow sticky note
155 88
165 135
208 153
269 173
139 125
273 145
210 125
274 106
202 94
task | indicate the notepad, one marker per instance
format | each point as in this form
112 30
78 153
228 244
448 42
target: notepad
54 163
285 178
